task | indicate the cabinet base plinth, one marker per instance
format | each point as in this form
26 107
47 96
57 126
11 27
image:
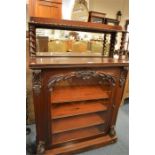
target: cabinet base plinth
82 146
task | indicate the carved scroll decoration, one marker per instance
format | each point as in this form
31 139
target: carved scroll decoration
123 76
84 75
40 148
36 81
112 131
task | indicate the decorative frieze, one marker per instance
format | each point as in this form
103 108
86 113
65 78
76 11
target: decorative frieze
84 75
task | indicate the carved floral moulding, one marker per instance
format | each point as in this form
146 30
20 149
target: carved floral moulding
84 75
36 81
123 76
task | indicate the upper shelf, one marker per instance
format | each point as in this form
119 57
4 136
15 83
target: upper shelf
73 25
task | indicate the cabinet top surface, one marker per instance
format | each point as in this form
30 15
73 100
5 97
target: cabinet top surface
63 62
73 25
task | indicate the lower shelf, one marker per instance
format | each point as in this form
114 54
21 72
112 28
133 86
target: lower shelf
77 122
78 134
73 148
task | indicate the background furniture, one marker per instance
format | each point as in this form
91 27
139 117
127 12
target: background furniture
45 8
76 98
99 17
42 43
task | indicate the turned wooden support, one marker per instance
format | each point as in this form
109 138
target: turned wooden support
112 44
32 40
123 38
104 44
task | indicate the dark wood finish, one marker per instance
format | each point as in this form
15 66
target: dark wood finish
45 8
76 99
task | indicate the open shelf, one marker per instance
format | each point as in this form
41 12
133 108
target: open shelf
79 93
73 109
77 122
78 134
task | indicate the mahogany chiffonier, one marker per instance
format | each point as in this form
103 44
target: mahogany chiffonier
76 95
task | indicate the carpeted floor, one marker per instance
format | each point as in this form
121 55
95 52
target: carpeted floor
119 148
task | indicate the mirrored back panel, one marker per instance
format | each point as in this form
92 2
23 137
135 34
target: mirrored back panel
54 42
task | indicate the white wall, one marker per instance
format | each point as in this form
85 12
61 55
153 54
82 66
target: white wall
67 6
110 7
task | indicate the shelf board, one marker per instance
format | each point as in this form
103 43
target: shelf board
77 122
73 25
75 148
78 93
78 134
73 109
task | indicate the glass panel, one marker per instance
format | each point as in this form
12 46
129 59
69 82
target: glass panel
52 42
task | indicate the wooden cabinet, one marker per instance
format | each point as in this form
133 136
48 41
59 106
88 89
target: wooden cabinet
76 98
76 107
45 8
